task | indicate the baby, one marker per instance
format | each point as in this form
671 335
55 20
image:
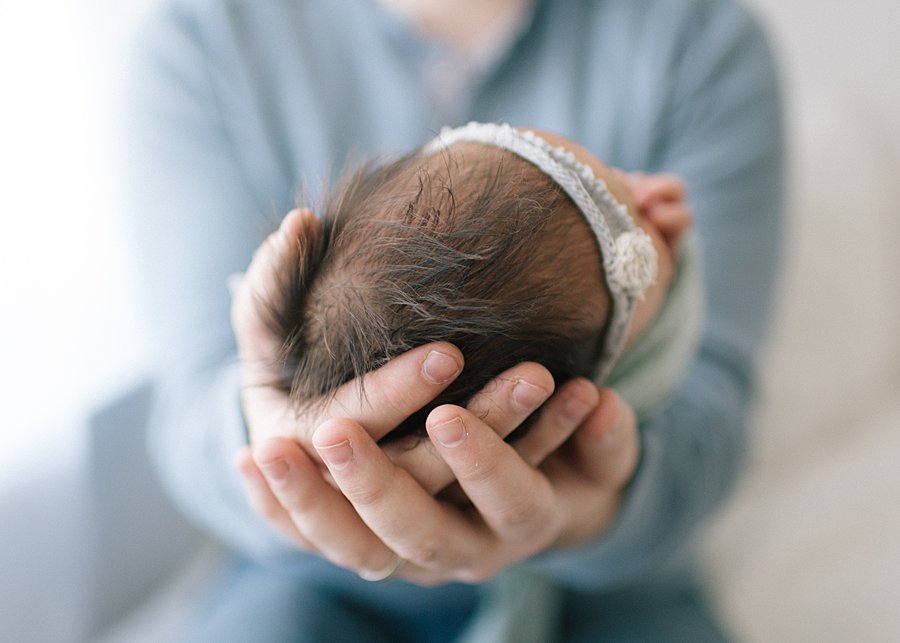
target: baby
512 244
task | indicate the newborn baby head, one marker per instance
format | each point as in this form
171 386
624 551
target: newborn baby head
463 241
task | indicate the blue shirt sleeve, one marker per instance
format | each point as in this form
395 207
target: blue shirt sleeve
724 137
198 215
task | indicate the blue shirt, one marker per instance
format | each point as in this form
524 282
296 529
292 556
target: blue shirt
236 104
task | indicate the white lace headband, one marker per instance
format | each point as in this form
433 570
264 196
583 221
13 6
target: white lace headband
629 259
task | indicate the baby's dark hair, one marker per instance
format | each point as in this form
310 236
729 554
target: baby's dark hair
473 246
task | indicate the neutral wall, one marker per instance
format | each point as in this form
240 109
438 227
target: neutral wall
853 47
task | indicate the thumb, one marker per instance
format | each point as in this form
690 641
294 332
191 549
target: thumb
262 288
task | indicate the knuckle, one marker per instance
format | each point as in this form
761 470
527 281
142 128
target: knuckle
423 554
530 522
532 530
479 472
396 400
515 517
367 496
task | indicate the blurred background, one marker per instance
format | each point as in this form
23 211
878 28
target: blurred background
69 321
809 550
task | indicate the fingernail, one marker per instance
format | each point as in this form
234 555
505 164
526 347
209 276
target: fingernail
527 395
450 434
276 471
440 367
337 456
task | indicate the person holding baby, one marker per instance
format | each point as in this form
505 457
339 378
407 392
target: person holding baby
236 104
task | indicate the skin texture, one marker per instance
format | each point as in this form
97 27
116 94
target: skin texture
466 504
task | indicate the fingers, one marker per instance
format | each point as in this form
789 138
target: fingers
376 509
418 528
558 420
267 408
606 446
264 502
257 345
513 498
504 404
591 472
315 515
512 396
387 396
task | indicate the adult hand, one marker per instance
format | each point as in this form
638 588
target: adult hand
298 502
560 485
392 393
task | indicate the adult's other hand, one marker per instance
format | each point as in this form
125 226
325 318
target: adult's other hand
522 498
